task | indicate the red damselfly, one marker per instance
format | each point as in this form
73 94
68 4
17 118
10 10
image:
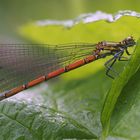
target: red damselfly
25 65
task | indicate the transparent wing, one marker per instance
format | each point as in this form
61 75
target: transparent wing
68 53
21 63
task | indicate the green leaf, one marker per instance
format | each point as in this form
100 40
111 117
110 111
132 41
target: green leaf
22 120
125 118
121 83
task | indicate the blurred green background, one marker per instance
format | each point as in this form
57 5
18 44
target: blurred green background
15 13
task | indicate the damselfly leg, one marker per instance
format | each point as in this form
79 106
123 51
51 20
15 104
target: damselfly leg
122 58
109 64
127 52
109 67
117 56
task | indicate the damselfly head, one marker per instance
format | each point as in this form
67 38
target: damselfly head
129 41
